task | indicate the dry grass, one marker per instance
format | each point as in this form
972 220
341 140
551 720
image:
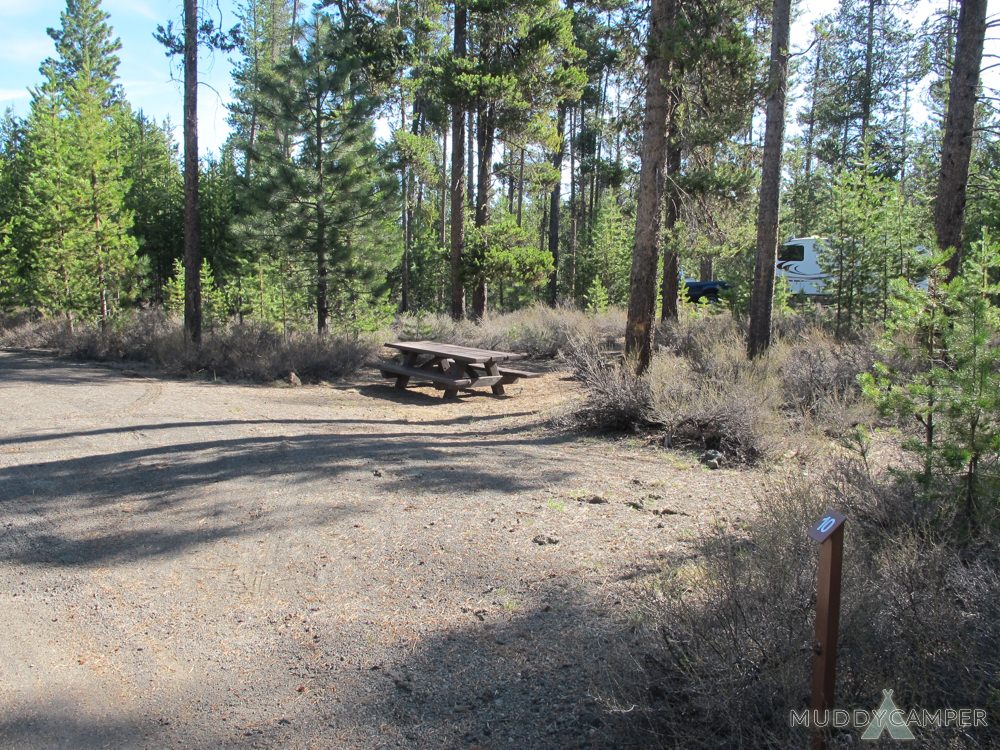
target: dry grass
26 331
702 392
725 651
617 399
256 352
732 411
249 351
541 332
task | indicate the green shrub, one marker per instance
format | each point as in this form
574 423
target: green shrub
947 343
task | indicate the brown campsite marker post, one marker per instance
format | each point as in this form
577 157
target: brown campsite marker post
829 532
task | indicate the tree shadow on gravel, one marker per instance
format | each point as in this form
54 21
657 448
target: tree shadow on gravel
70 511
210 423
544 677
40 368
58 724
54 724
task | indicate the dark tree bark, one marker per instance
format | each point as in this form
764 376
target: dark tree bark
573 214
762 296
192 238
868 87
470 156
956 146
443 223
405 215
520 187
671 267
554 199
322 271
642 279
485 140
458 180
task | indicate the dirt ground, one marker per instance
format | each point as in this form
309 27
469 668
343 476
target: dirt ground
186 564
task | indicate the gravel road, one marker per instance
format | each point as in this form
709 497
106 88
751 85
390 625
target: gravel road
187 564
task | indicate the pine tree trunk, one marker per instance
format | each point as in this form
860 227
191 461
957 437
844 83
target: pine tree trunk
322 303
470 182
406 217
705 268
485 135
956 146
804 226
671 269
868 85
404 281
443 223
511 188
520 188
66 292
573 216
192 239
554 199
762 297
458 179
642 278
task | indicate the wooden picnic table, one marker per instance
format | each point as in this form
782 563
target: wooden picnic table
450 367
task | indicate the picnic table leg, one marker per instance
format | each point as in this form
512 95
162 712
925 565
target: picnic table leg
408 360
454 370
492 369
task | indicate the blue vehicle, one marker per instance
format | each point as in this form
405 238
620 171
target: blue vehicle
704 290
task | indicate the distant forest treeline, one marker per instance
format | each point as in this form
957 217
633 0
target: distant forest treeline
511 172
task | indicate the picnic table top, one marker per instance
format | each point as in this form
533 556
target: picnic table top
453 351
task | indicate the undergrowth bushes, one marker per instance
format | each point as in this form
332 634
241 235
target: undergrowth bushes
255 351
617 398
24 331
733 413
248 351
724 652
702 392
541 332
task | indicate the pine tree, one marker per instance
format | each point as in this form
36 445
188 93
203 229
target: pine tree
44 216
946 337
762 296
155 197
639 328
523 65
263 40
956 145
13 176
86 48
100 239
73 225
866 60
605 260
328 193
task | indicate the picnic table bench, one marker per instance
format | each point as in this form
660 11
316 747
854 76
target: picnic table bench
450 367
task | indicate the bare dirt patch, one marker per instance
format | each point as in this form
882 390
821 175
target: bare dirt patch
190 564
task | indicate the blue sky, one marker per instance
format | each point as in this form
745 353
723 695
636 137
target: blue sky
146 73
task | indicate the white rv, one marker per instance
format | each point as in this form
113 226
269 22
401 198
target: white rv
798 264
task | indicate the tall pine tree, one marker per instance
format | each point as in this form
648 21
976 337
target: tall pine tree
327 193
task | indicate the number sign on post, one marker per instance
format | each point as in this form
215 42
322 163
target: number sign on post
829 532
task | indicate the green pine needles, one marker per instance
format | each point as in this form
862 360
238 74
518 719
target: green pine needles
944 346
